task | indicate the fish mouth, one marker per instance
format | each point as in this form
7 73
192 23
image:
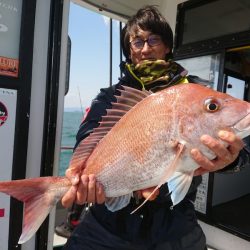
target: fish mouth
242 127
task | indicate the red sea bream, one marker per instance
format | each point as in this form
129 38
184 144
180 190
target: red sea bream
144 141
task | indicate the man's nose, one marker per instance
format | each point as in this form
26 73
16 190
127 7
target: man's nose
145 47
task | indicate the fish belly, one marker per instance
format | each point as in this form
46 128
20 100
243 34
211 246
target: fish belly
127 174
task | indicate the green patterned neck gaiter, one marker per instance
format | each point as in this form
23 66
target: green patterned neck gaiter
151 71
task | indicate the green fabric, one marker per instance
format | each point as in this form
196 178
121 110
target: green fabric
149 71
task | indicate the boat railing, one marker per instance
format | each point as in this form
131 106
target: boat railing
67 148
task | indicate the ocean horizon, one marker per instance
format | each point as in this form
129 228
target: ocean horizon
74 109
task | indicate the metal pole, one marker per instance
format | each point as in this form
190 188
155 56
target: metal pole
120 24
110 52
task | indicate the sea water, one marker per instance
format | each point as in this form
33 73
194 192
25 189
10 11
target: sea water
71 123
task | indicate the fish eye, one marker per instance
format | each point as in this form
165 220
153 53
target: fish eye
211 105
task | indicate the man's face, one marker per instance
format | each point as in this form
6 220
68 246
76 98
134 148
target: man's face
144 46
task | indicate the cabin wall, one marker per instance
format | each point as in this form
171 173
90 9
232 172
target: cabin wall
39 71
60 110
37 105
225 186
40 77
120 11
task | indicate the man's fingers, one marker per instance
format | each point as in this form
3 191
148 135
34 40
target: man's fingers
100 196
201 160
73 175
200 171
217 147
147 192
69 198
235 143
91 189
225 153
87 191
82 191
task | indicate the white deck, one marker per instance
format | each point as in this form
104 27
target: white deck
58 241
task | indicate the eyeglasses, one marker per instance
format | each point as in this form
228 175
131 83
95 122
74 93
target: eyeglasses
138 43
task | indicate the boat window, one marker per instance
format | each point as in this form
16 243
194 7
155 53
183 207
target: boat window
204 67
215 19
209 26
10 25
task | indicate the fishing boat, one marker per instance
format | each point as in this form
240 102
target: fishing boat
211 41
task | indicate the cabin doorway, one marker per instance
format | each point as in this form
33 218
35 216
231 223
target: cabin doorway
230 209
237 72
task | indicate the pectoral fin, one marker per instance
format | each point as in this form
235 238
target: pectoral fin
167 173
178 185
116 203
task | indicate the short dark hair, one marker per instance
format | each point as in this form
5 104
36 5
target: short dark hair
147 18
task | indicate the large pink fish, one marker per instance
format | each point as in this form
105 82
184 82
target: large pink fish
144 141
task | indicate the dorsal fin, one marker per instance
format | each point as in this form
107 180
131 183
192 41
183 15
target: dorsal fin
129 98
141 94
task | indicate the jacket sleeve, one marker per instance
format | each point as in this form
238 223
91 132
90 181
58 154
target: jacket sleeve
98 108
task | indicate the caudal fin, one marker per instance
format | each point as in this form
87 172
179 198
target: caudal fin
39 195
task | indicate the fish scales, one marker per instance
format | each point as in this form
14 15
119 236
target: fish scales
139 146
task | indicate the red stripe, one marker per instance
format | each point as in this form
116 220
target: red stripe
2 210
86 113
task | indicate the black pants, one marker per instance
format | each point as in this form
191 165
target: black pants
90 235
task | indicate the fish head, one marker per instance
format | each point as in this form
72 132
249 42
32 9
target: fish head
205 111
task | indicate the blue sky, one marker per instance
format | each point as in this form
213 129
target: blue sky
89 69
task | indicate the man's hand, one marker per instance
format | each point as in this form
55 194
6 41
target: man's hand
146 192
224 155
84 189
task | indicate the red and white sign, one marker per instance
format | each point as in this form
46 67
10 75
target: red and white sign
3 114
10 25
9 66
8 100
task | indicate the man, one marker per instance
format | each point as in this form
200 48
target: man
147 42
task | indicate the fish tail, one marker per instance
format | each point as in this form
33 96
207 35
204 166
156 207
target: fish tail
39 196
